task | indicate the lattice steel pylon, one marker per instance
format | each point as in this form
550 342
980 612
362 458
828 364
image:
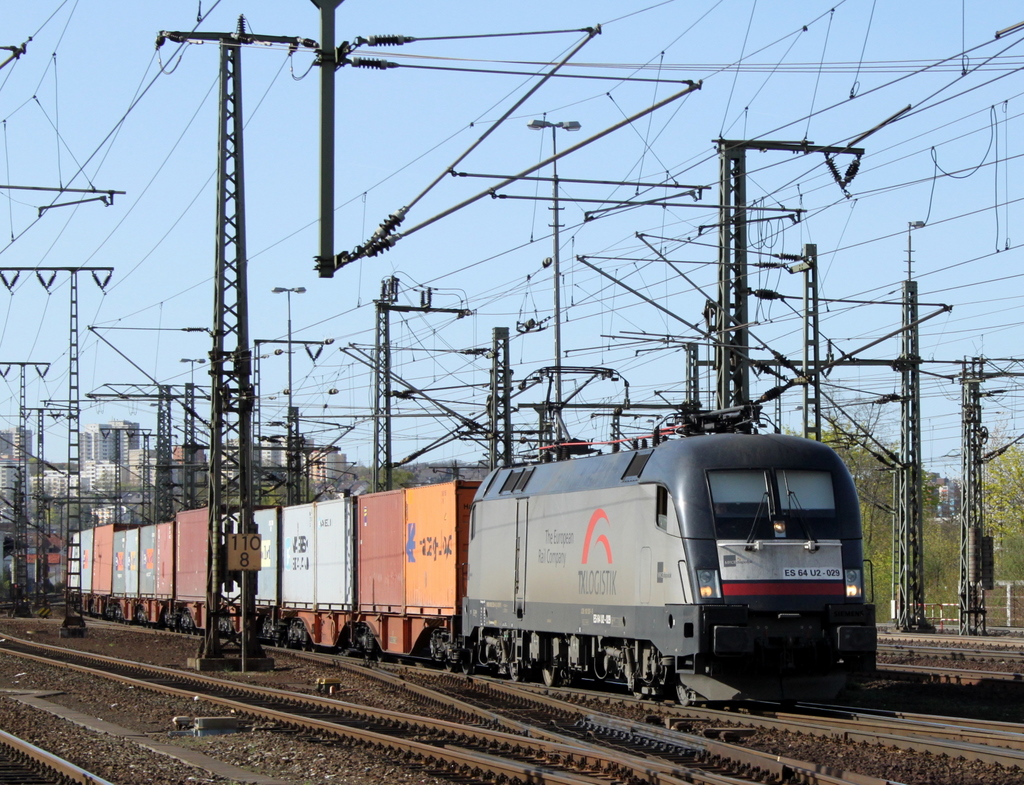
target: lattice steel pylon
20 603
163 394
499 404
230 478
383 468
972 508
730 317
73 621
910 610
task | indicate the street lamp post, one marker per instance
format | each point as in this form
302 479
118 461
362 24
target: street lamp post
292 455
192 367
567 125
911 225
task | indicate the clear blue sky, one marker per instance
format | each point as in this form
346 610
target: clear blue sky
87 105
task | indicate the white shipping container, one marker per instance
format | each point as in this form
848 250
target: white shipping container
147 561
86 555
298 534
269 529
333 557
120 557
131 555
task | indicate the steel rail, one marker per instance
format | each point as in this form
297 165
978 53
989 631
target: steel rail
947 653
986 742
453 739
597 723
947 675
20 756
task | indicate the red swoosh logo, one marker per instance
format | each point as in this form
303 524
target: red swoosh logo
598 515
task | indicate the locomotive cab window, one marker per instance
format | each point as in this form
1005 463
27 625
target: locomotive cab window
741 501
661 508
756 504
806 497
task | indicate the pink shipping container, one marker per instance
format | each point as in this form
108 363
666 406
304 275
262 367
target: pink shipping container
436 548
380 524
191 555
165 560
103 559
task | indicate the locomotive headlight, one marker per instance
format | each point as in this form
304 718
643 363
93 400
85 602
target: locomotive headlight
780 528
854 583
707 581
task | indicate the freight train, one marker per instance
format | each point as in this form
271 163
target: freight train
712 567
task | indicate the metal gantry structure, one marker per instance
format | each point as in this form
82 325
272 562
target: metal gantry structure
163 395
499 403
729 321
230 477
20 603
972 507
909 565
230 502
73 623
295 445
230 495
977 548
382 475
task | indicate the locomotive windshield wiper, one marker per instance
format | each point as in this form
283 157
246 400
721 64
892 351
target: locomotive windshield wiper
797 511
751 537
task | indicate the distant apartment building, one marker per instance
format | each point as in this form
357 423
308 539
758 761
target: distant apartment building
11 442
55 483
111 442
949 497
328 466
97 476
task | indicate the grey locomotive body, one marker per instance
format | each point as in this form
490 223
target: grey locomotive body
718 566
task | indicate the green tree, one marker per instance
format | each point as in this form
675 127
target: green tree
874 483
1003 487
1003 491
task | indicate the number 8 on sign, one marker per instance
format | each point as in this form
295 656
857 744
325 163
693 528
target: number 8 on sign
244 552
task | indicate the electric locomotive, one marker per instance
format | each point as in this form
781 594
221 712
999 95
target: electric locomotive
718 566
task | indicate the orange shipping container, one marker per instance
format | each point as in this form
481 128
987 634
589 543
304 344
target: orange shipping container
437 539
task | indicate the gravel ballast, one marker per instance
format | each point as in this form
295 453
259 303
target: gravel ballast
301 760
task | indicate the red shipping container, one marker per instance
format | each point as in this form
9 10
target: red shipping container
191 559
380 523
103 559
437 542
165 560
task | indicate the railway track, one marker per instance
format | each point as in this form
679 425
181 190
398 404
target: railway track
573 717
996 743
26 764
922 660
1012 656
486 744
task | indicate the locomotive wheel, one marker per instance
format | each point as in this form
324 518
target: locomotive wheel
516 671
552 675
685 695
